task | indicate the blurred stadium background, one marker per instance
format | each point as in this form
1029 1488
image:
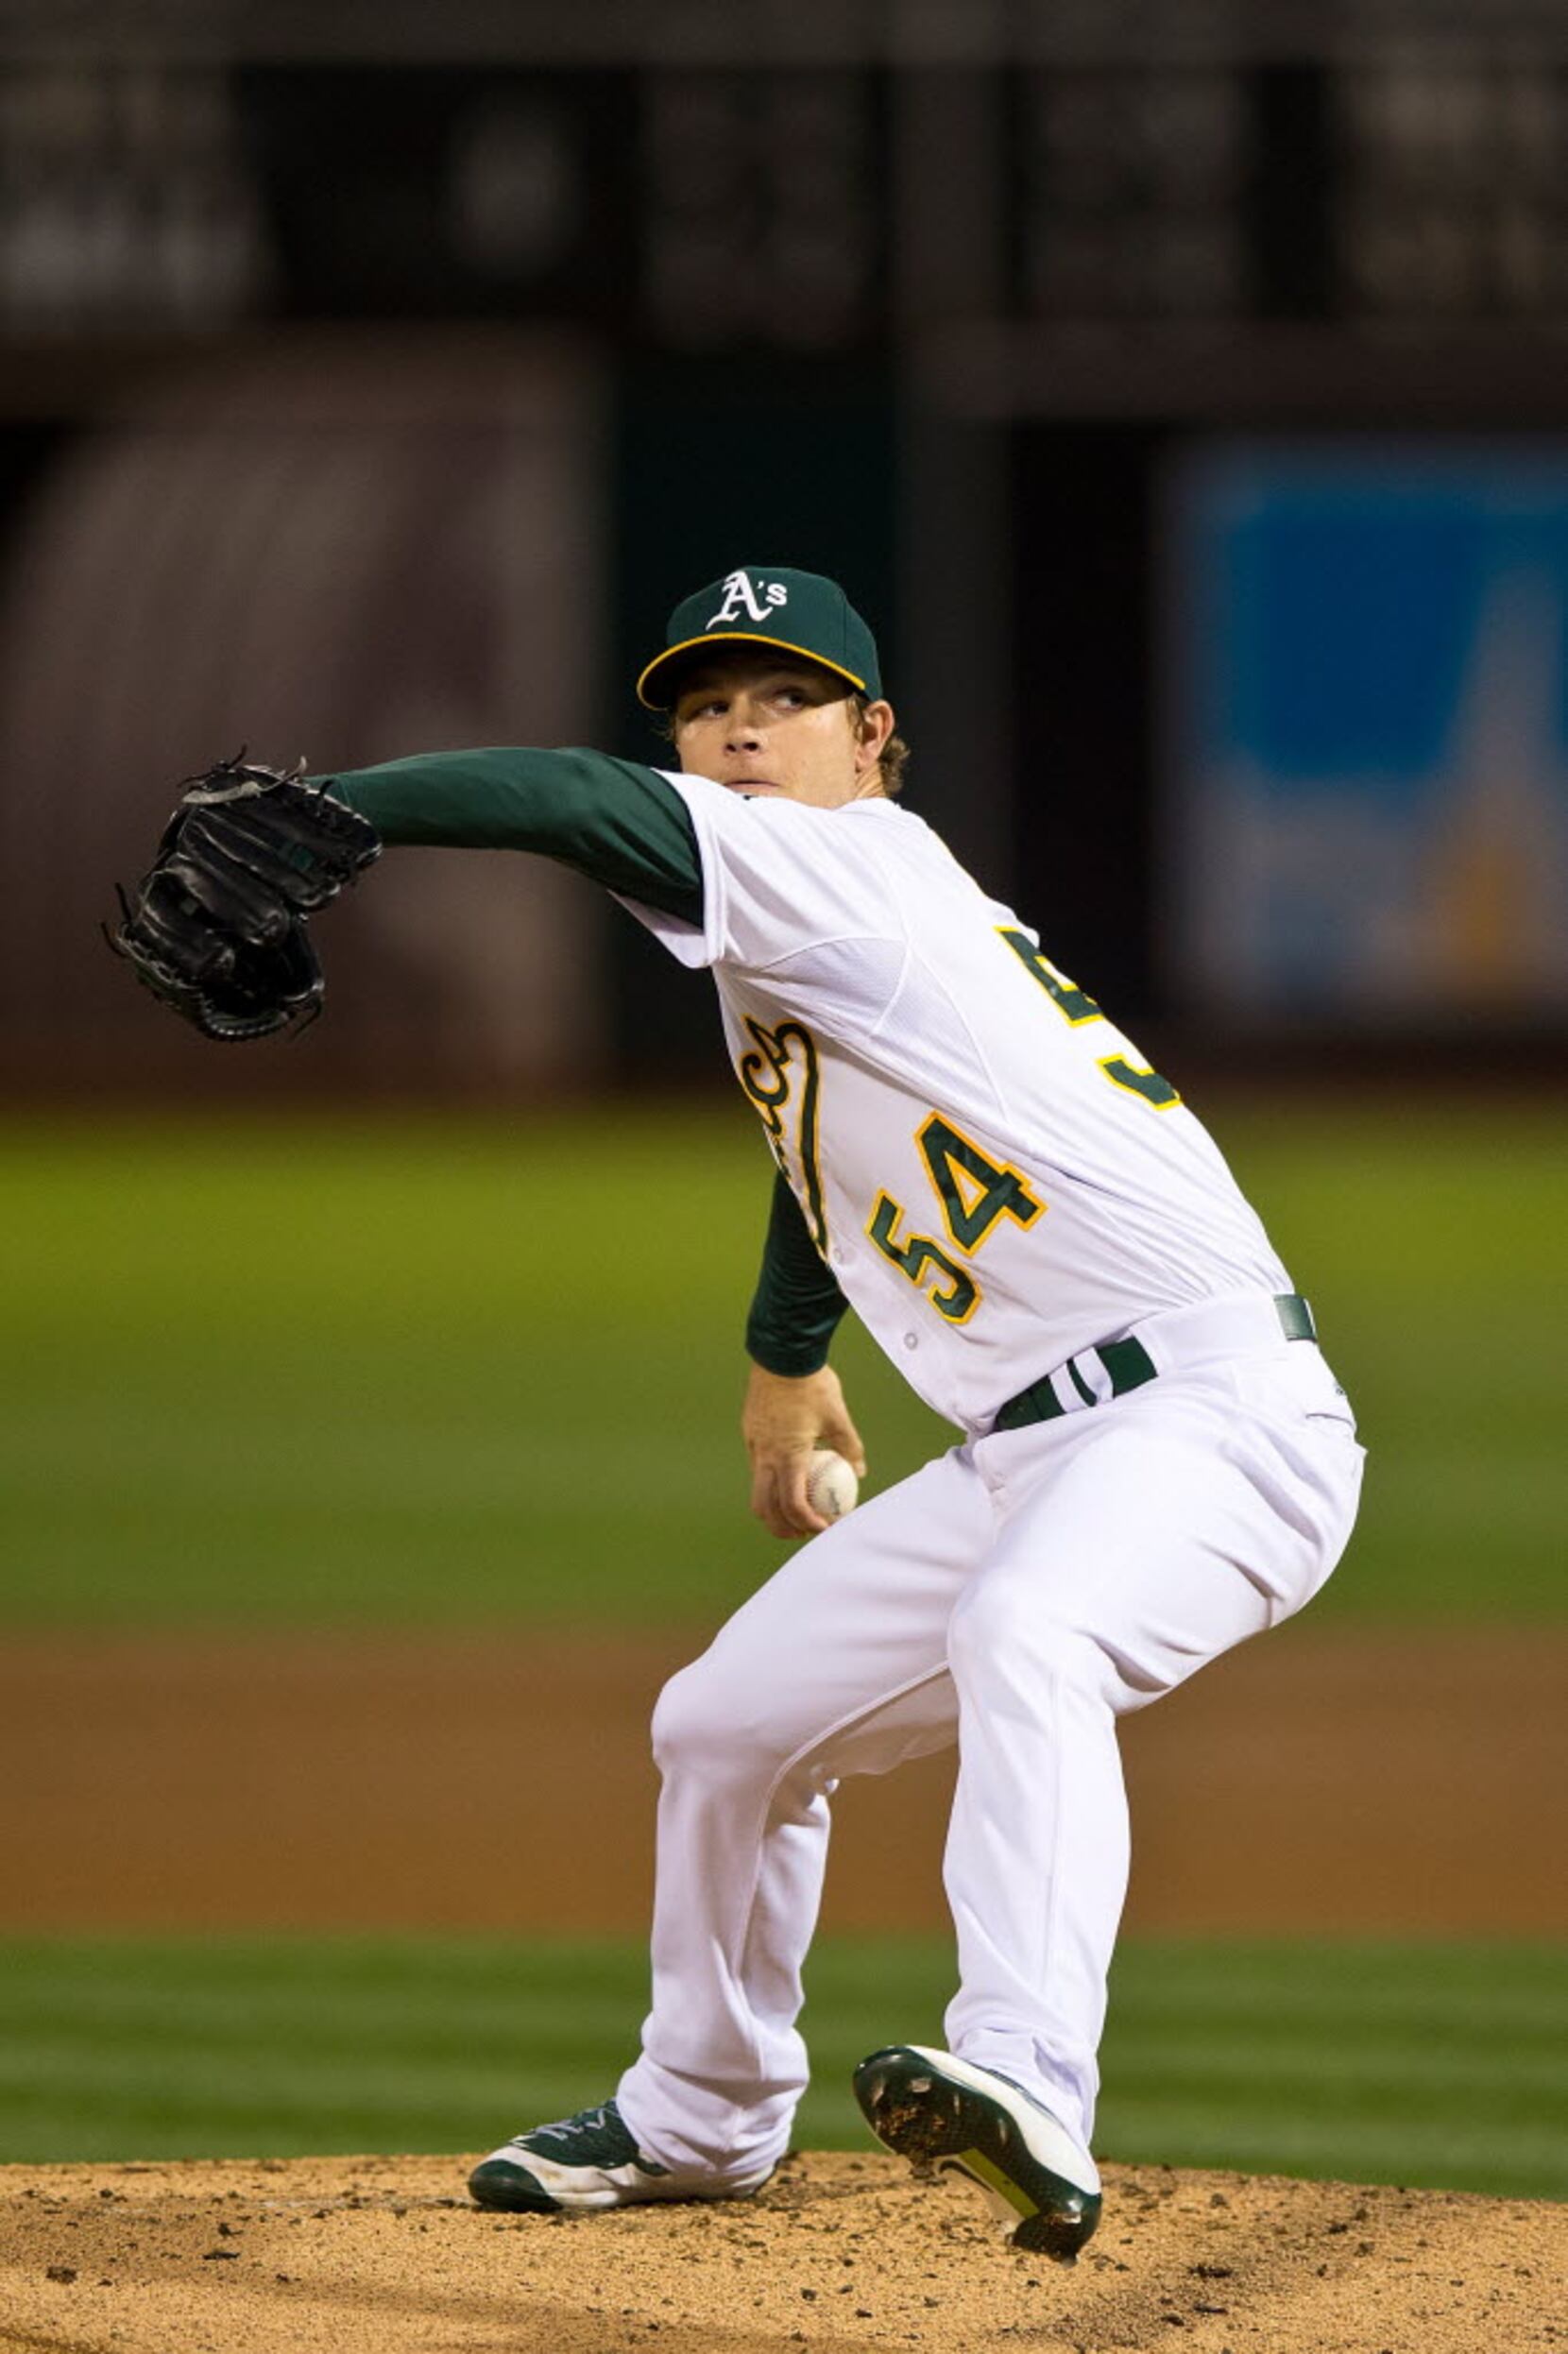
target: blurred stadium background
1181 389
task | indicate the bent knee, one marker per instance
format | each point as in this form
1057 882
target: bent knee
683 1715
703 1723
1001 1627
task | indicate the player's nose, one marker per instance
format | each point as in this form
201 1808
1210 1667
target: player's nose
744 731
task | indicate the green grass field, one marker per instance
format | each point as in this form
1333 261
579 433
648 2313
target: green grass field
1436 2065
460 1370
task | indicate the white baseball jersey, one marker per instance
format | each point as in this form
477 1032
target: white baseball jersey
994 1177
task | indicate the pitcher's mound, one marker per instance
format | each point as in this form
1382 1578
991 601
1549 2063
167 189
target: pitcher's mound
386 2256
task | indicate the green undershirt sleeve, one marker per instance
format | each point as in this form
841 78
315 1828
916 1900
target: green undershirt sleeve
797 1305
615 821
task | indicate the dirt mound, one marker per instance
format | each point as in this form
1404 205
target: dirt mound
386 2256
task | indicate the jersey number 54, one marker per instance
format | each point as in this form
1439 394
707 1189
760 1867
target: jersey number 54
974 1190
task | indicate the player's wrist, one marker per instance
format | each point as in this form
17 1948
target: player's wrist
786 1360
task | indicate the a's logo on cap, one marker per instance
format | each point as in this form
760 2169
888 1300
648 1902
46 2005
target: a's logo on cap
741 596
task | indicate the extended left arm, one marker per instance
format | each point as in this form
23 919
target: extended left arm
615 821
218 926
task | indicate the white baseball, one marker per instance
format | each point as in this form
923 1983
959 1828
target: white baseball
831 1487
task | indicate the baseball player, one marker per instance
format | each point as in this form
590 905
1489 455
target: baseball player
1155 1461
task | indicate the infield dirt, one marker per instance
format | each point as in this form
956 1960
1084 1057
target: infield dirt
1317 1782
384 2256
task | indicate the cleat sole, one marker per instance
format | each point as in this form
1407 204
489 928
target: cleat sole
935 2122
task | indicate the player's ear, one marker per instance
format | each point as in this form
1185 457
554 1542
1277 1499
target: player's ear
873 729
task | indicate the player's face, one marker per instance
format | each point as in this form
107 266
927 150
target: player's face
765 726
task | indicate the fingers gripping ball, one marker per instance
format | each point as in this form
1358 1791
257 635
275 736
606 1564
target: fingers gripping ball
217 927
831 1487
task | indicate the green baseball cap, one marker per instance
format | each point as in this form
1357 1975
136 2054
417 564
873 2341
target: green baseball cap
767 605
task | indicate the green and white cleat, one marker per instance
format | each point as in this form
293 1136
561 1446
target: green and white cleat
586 2164
945 2114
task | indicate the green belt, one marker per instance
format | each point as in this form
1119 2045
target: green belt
1127 1366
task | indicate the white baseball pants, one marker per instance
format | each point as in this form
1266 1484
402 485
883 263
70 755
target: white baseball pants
1017 1595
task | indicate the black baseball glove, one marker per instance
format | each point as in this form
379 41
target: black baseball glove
216 928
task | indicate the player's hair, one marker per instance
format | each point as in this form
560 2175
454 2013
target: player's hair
895 752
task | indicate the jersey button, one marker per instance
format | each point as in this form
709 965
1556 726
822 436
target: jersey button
912 1340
